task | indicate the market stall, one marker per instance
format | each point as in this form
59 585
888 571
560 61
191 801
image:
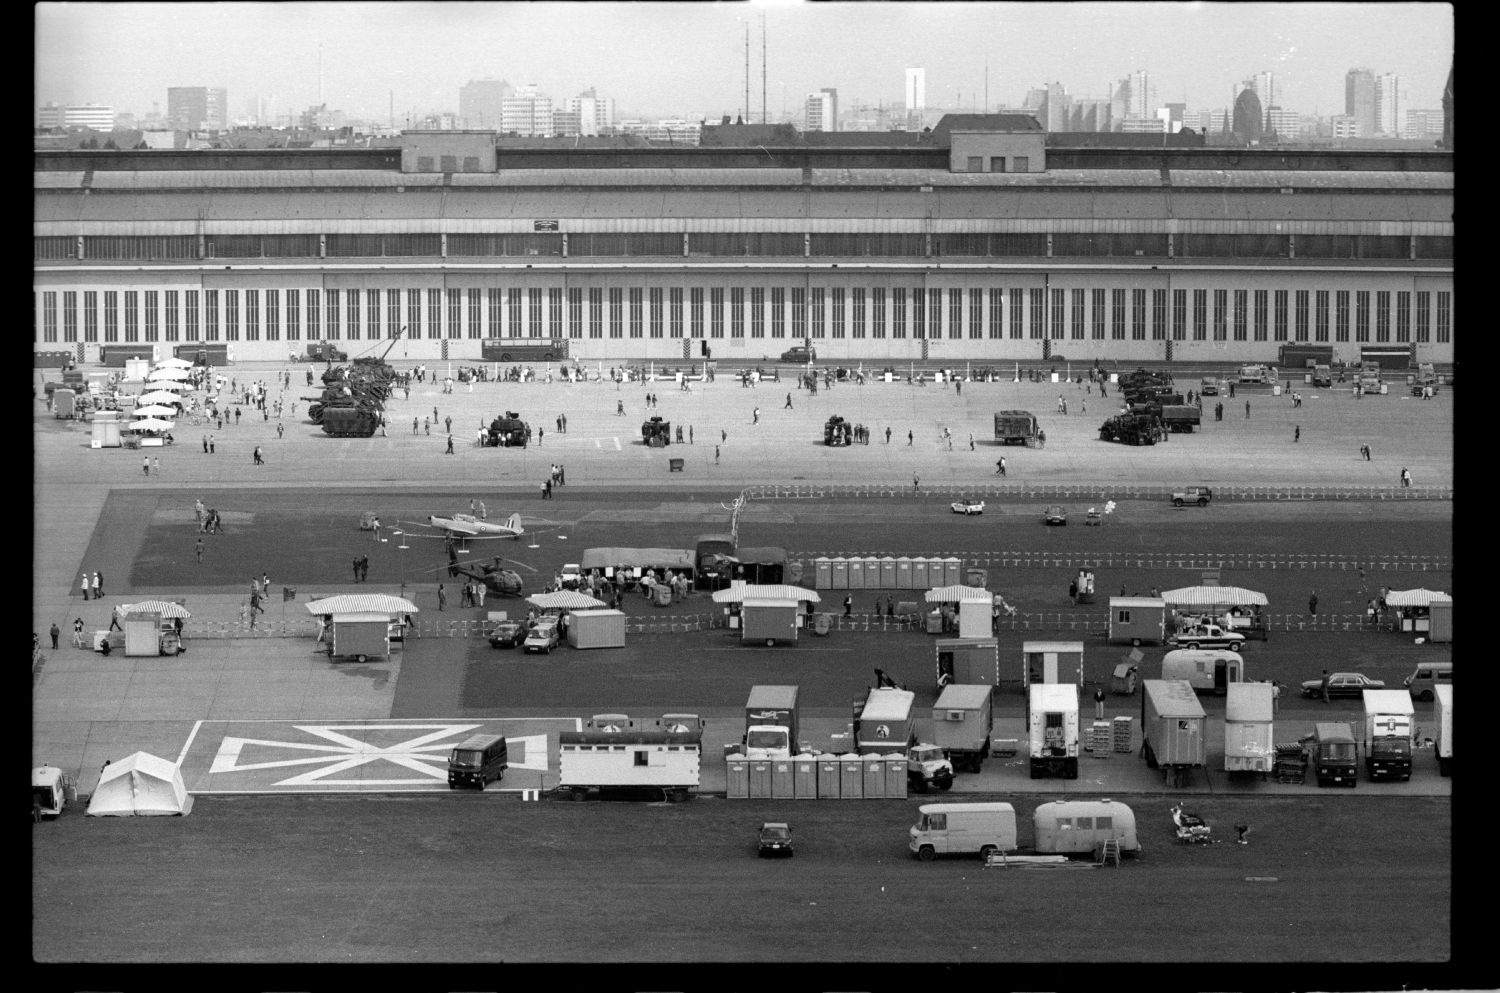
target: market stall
361 626
766 613
968 609
1422 612
153 627
1230 607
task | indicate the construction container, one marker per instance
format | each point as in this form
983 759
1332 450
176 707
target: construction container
596 628
973 661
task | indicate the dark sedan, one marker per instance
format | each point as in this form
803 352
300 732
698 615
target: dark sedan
1344 684
507 634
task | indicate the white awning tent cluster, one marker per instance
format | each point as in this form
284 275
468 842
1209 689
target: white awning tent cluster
362 603
757 593
958 594
1415 598
1214 596
564 600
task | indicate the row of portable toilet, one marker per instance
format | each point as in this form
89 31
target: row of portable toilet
886 573
816 777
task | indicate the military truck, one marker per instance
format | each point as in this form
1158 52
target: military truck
1015 427
656 433
1131 429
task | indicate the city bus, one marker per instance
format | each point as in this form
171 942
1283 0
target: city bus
524 349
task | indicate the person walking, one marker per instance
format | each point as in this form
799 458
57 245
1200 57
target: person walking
971 441
1000 466
755 416
1297 433
690 434
205 444
908 439
256 456
887 434
788 405
56 633
449 449
356 569
1312 603
281 428
198 551
448 423
99 582
413 425
426 427
84 585
114 619
916 484
1275 696
716 455
78 632
146 465
1247 410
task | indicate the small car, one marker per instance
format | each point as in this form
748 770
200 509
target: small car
775 838
1199 495
1055 515
967 507
542 637
800 354
507 634
1342 684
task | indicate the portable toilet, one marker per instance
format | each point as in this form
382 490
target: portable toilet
888 576
828 776
894 765
736 777
874 776
1441 618
781 779
760 779
903 573
872 574
804 777
839 574
920 575
856 574
952 572
851 777
822 573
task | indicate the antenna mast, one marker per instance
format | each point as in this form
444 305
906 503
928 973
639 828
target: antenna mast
763 119
747 72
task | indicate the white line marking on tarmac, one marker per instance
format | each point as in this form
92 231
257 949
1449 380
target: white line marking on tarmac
617 444
189 743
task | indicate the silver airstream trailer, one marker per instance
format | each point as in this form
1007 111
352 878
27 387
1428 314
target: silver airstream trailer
1079 827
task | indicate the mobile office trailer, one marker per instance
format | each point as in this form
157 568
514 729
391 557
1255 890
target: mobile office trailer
1136 620
1210 670
611 756
885 723
1079 827
1248 742
1442 713
1172 723
961 829
1052 720
771 722
476 760
962 720
598 628
361 636
972 661
1051 662
1388 729
1335 760
1015 427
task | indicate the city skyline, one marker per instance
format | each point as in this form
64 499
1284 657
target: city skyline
127 55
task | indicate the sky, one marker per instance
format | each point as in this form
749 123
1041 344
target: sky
679 59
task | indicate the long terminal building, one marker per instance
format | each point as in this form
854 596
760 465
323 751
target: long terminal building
984 240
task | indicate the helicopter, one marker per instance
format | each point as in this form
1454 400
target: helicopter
496 579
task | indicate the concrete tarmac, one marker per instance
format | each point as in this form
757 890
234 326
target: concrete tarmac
87 708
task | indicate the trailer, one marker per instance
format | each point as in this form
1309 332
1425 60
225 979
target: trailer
1052 720
1137 620
1248 742
1172 724
1183 418
1081 827
973 661
610 756
1442 713
962 720
598 628
361 636
1051 662
1015 427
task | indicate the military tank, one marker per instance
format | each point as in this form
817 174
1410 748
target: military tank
350 422
509 431
656 432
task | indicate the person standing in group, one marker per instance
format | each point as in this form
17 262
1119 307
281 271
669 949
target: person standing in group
146 465
99 581
84 585
356 570
916 484
56 633
442 598
1405 477
413 425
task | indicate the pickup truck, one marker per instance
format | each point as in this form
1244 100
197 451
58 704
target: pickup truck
1207 636
1199 495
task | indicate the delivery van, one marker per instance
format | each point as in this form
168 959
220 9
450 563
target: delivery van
963 828
1208 670
1427 677
476 760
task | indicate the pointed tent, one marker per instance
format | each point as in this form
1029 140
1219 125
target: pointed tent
163 607
140 785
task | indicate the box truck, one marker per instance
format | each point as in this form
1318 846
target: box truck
1172 722
962 828
1248 742
1052 721
771 722
961 722
885 724
1443 715
1206 670
1388 729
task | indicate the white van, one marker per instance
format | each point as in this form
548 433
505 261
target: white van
1208 670
967 828
1427 676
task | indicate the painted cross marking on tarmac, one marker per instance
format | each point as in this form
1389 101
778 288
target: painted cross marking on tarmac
425 755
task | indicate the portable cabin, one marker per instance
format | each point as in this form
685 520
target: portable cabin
1079 827
1172 722
1137 620
766 614
596 628
142 633
1051 662
971 661
362 635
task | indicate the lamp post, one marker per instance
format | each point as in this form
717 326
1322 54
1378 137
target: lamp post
401 559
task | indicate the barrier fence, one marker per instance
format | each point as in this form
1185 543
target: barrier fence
1151 560
1090 491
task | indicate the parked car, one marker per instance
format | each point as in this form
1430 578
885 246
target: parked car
1209 387
1199 495
1351 684
967 507
507 634
775 839
1197 636
1055 515
542 637
800 354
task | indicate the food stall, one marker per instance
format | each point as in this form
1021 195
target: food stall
1231 607
1422 612
151 627
973 611
766 613
361 626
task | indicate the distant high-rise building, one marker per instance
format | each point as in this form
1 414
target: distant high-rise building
1359 100
481 103
822 111
1264 85
1422 125
596 114
1249 120
1285 124
197 108
1142 95
1089 114
526 112
1343 126
1448 111
1388 104
916 90
1055 112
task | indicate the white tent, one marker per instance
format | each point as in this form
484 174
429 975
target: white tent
1415 598
564 600
158 396
140 784
154 410
167 373
174 361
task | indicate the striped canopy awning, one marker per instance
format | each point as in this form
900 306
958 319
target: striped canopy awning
564 600
165 608
362 603
956 594
1414 598
759 592
1214 596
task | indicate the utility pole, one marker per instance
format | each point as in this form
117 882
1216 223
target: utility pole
747 72
763 68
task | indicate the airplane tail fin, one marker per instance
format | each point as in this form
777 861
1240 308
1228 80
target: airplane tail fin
514 522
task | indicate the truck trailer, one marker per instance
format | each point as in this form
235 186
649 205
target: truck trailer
1248 742
1443 715
962 720
611 756
1052 721
1388 728
1172 723
771 723
1015 427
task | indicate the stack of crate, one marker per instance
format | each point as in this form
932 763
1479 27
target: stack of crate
1124 733
1099 737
